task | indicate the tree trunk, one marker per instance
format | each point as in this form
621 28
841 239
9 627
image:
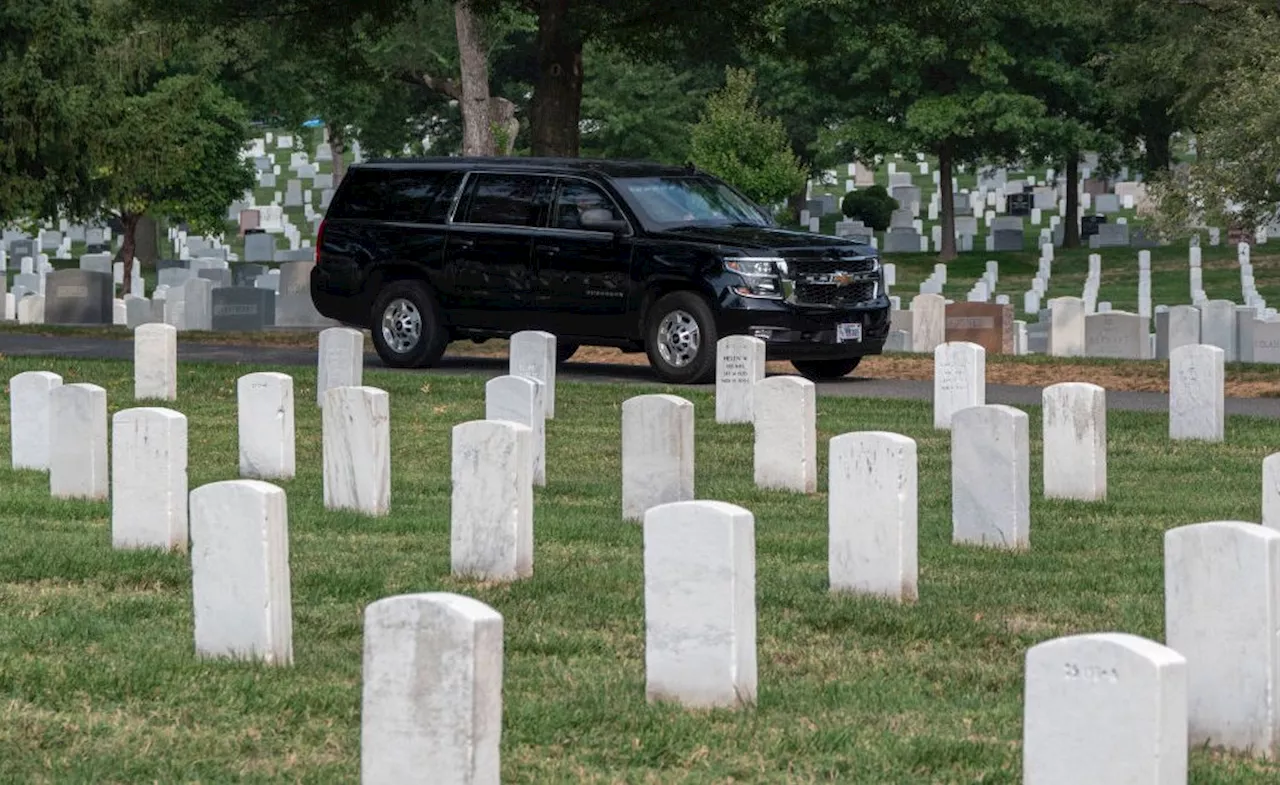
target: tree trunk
473 59
130 225
948 252
1159 151
1071 221
338 146
556 107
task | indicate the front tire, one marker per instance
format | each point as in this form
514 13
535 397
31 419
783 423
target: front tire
826 370
680 339
408 329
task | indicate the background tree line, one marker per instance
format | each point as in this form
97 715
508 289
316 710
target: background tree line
129 107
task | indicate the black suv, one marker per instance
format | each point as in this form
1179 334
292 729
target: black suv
639 256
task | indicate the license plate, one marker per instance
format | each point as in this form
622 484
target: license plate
848 332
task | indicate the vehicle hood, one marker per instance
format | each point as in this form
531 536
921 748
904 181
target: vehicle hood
763 238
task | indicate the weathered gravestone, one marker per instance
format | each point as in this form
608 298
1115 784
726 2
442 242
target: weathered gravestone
138 311
1271 491
902 240
1106 709
1075 442
246 274
700 605
990 477
1266 342
357 450
519 399
78 442
1218 327
1006 240
532 353
657 453
959 380
1116 334
1108 235
491 529
220 276
30 412
1221 581
740 364
294 307
786 435
1184 327
149 479
197 300
264 405
155 362
97 263
243 308
1196 379
1066 327
987 325
928 322
417 728
78 297
872 515
240 586
340 360
259 247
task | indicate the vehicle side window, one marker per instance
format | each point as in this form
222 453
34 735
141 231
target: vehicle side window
575 198
505 199
409 196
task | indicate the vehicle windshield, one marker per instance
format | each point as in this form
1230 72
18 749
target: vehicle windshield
665 203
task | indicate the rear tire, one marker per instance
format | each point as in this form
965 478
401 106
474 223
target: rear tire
826 370
680 339
564 351
407 325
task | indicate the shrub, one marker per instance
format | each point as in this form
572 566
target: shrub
873 206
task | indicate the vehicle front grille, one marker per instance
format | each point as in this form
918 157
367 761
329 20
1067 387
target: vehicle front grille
834 282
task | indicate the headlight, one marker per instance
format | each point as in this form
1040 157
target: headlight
761 275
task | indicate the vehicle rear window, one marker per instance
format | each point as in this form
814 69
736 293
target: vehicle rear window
409 196
506 199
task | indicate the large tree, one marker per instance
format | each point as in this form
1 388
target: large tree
929 76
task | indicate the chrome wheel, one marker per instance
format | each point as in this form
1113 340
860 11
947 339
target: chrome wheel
678 338
401 325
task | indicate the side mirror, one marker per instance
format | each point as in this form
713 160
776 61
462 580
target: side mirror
602 221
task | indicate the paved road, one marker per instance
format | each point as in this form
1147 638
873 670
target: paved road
15 344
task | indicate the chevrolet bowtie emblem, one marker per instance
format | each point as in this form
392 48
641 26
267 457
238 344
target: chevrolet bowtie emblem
842 279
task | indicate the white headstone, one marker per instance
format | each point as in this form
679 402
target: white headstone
341 360
959 380
1106 709
149 479
1218 327
1075 442
78 442
264 404
1196 379
871 515
357 450
519 399
155 362
786 441
240 572
491 516
1271 491
990 477
30 412
657 453
928 322
417 728
740 361
1221 581
1066 328
533 354
1184 326
700 604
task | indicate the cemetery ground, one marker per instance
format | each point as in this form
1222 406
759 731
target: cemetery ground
100 683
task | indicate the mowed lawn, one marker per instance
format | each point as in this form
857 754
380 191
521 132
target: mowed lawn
98 682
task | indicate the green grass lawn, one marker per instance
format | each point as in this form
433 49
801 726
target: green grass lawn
98 682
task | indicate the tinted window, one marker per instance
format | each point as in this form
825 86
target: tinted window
506 199
411 196
575 198
671 202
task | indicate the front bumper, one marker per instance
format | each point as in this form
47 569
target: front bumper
796 332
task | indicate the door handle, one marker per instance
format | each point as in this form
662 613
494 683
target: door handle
550 250
464 244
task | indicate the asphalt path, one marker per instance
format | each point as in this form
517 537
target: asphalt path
26 345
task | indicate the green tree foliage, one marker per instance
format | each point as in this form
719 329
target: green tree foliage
47 96
873 206
737 142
